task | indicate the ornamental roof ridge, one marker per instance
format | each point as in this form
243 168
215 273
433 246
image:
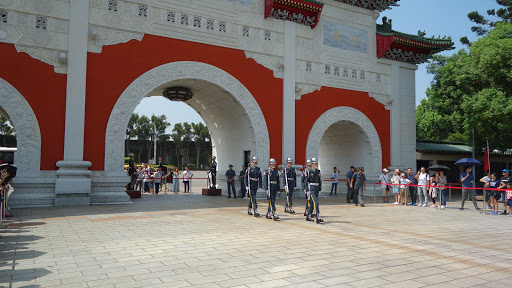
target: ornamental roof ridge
379 5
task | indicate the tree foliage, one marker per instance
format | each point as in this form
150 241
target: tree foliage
6 129
471 89
483 25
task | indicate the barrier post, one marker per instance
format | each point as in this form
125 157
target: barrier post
374 192
450 193
483 200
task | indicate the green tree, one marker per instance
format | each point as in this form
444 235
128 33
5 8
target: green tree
6 129
161 124
144 129
187 138
483 24
131 132
471 89
201 135
177 138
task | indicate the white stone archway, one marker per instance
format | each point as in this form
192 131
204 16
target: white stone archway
157 77
349 114
31 187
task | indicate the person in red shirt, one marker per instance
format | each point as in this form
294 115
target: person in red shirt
508 194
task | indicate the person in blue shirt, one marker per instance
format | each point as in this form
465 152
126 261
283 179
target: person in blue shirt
230 176
467 180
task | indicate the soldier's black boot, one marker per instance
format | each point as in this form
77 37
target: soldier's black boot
249 211
306 212
308 218
275 216
268 215
256 214
318 219
292 211
286 209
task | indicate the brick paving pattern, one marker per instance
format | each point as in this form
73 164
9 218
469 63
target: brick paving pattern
198 241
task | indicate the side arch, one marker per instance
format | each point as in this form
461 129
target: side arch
28 135
161 75
355 116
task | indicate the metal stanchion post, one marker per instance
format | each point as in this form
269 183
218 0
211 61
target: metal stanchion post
483 200
374 193
450 193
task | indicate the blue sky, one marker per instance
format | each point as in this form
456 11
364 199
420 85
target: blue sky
436 17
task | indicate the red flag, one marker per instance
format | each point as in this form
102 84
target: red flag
487 163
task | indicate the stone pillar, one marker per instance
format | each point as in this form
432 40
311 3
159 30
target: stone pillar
288 148
395 116
73 184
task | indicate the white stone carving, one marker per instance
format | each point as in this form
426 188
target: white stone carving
152 79
303 89
343 113
381 98
103 37
28 156
271 62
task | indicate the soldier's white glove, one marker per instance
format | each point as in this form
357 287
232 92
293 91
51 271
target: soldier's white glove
286 188
268 194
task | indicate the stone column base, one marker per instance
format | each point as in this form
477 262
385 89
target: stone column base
34 191
109 188
73 185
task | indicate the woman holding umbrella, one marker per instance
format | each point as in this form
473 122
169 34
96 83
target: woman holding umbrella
441 181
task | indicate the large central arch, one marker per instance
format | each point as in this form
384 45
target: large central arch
153 80
348 114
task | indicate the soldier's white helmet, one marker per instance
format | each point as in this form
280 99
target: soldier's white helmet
213 158
308 162
289 160
255 159
314 160
272 161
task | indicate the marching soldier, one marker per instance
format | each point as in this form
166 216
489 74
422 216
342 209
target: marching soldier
252 179
305 185
289 181
315 182
272 186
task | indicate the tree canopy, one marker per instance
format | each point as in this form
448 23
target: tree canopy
471 88
502 15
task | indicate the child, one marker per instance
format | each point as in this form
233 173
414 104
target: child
508 194
403 188
395 179
494 195
433 192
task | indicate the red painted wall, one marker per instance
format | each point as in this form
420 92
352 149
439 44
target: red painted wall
45 91
315 104
110 72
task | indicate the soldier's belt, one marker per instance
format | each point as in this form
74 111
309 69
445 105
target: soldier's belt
273 182
291 178
254 179
314 184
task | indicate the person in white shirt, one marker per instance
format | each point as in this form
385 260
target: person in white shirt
334 177
157 180
423 181
384 180
140 175
187 175
145 181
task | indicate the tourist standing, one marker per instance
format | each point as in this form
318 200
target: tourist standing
187 176
230 177
334 178
412 188
504 181
403 188
442 182
485 180
176 181
350 189
145 181
423 180
157 179
140 176
467 180
384 187
358 183
494 195
395 180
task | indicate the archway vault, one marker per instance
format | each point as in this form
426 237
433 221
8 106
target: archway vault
154 79
28 156
335 115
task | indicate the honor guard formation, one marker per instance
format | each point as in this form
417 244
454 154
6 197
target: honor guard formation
311 183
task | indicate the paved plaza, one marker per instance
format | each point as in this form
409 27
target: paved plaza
198 241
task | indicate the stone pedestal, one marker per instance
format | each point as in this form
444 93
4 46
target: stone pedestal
73 185
211 192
